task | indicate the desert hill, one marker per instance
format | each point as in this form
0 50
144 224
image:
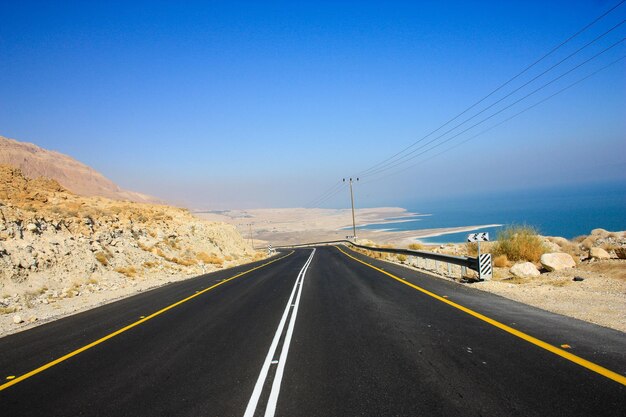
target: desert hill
60 252
75 176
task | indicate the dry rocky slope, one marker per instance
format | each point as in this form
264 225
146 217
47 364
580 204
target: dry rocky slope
73 175
60 252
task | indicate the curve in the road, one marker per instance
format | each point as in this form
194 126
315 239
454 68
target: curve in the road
540 343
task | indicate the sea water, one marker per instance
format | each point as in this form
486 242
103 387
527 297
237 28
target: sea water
563 211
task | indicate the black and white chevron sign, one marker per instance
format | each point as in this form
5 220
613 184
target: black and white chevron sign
484 264
478 237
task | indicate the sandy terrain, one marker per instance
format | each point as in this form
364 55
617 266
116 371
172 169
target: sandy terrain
290 226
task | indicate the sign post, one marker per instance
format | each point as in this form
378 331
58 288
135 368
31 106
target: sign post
484 261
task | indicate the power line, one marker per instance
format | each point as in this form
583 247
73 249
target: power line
329 192
501 122
328 197
407 157
496 113
590 24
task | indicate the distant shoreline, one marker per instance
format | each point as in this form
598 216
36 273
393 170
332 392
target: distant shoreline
287 226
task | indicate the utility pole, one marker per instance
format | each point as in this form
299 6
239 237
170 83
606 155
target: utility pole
250 239
352 201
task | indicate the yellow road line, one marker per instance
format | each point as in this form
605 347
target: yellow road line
550 348
130 326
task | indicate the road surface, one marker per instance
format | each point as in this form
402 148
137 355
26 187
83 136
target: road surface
314 333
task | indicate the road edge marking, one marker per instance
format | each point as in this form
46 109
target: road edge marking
607 373
130 326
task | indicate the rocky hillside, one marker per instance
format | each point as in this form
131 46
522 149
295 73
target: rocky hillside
55 245
73 175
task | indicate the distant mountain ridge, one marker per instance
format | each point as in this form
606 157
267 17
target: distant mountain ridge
77 177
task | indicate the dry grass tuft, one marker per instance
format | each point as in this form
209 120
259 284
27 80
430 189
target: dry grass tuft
209 259
416 246
7 310
130 271
102 258
472 248
501 261
184 261
519 243
401 257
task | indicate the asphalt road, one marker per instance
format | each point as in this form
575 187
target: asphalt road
314 334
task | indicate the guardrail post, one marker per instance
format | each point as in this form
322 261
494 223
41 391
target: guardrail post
449 274
437 266
463 270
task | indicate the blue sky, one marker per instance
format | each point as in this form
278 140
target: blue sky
254 104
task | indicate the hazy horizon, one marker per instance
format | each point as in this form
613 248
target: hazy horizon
243 105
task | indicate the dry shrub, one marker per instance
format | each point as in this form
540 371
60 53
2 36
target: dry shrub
228 258
102 258
149 264
401 257
185 261
210 259
579 239
130 271
472 248
416 246
171 243
258 255
7 310
144 247
519 243
501 261
609 247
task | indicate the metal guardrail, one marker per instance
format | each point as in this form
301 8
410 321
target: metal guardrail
462 261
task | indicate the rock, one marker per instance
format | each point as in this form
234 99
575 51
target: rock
599 253
525 269
578 279
551 246
557 261
32 227
17 319
620 253
561 241
600 232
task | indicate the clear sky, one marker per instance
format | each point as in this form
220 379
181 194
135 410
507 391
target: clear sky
266 104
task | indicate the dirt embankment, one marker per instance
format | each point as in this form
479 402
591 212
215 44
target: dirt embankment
60 252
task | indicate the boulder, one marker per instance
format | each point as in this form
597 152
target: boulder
551 246
561 241
557 261
620 253
31 227
599 253
17 319
525 269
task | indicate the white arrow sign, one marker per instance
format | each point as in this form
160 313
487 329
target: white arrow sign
478 237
